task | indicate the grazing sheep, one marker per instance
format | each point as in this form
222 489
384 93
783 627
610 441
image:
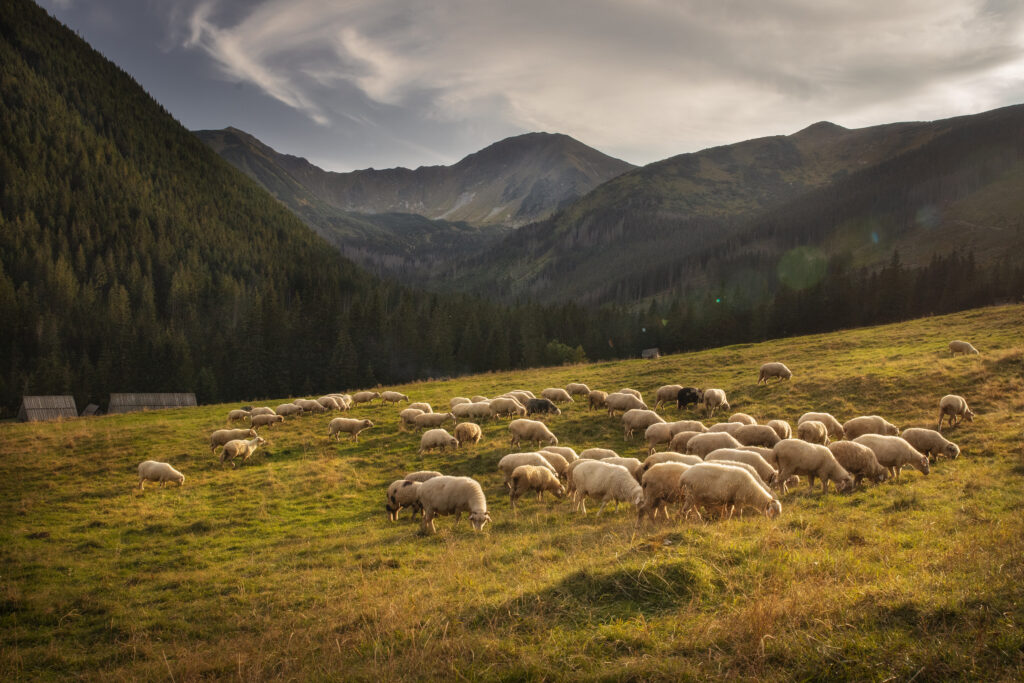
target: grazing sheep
688 395
424 406
329 402
510 462
666 393
781 428
468 433
597 454
796 457
502 407
347 424
713 400
577 389
364 396
432 420
894 453
660 484
812 431
963 347
453 495
422 475
344 400
702 444
930 442
162 472
743 418
727 427
835 430
858 460
476 410
437 438
531 430
668 456
756 435
261 420
532 478
658 433
521 395
564 451
605 482
632 464
408 416
222 436
544 406
403 493
288 409
766 472
955 408
711 485
636 419
557 395
458 400
688 426
631 392
393 397
236 414
556 460
680 441
309 405
479 399
240 447
622 402
596 398
769 370
869 424
262 410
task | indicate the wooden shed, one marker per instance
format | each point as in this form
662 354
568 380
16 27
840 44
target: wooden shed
650 353
38 408
129 403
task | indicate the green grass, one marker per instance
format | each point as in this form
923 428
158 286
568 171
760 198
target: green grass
286 567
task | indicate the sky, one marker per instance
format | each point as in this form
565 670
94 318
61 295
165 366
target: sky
352 84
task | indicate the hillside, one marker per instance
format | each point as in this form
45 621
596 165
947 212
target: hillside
286 567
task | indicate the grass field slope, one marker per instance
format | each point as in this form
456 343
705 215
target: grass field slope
286 567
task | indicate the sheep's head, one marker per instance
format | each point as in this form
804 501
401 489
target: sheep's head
553 441
921 464
367 424
891 430
638 498
180 479
969 415
844 483
773 509
952 450
478 519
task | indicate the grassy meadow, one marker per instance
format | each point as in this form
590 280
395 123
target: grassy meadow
286 567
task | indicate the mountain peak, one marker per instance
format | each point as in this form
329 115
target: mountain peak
821 129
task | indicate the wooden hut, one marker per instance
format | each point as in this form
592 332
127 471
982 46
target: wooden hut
650 354
37 408
129 403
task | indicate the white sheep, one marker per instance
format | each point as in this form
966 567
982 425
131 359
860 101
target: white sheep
597 399
597 454
162 472
532 478
577 389
266 420
621 402
963 347
796 457
955 408
713 400
713 485
446 495
565 451
743 418
393 397
309 405
236 414
631 392
521 395
634 465
777 370
533 431
422 475
930 442
432 420
479 399
638 419
660 484
657 433
424 406
510 462
813 431
757 435
869 424
408 416
240 447
666 394
835 429
350 425
858 460
556 460
262 410
288 409
344 400
727 427
329 402
557 395
458 400
222 436
468 433
504 406
403 493
702 444
680 441
605 482
766 472
365 396
894 453
437 438
668 456
781 428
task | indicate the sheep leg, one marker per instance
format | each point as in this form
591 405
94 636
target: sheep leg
603 503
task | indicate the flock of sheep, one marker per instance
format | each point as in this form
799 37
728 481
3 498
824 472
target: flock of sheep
727 466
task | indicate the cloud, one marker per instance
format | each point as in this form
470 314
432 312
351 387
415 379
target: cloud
640 78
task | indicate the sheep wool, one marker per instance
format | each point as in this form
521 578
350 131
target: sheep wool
605 482
161 472
447 495
439 439
712 486
527 478
403 493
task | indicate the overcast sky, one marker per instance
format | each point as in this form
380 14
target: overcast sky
379 83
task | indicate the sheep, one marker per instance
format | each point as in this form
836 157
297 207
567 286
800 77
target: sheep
660 485
479 399
605 482
393 397
408 416
222 436
458 400
757 435
894 453
468 433
727 427
505 406
422 475
521 395
743 418
236 414
963 347
637 418
288 409
688 395
347 424
556 460
858 460
437 438
955 408
813 431
465 410
597 454
619 401
769 370
680 440
766 472
532 478
364 396
657 433
596 398
711 484
403 493
632 464
568 453
781 428
510 462
240 447
869 424
329 402
151 470
262 410
835 430
702 444
631 392
688 426
813 460
432 420
309 405
530 430
666 393
577 389
668 456
713 400
557 395
446 495
270 420
425 407
541 405
930 442
344 400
